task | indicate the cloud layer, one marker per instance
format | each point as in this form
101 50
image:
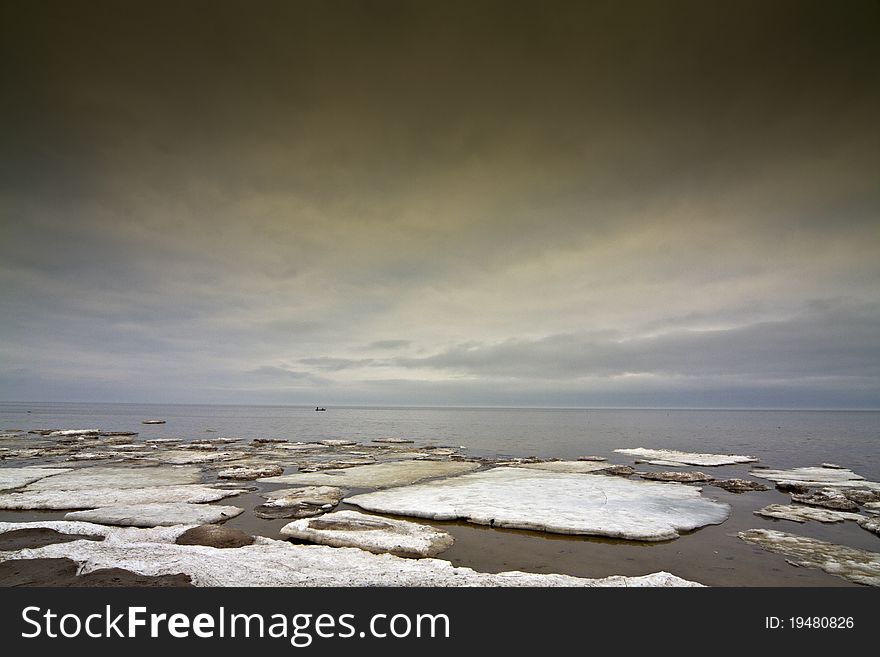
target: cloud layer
411 202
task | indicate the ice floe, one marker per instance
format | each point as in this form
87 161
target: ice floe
247 472
828 498
673 457
91 498
18 477
121 535
301 502
681 477
556 502
816 477
379 475
117 477
856 565
738 485
798 513
279 563
371 533
156 514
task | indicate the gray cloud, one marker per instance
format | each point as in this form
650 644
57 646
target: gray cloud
541 201
389 344
336 364
827 343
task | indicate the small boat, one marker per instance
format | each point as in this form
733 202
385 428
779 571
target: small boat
153 422
318 408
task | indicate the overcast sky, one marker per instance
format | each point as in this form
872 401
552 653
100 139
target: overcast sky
590 204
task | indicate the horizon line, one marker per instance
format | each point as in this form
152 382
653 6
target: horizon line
472 407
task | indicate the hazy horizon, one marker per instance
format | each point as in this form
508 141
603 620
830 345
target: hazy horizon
409 203
454 407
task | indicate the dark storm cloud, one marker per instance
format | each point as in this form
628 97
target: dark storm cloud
194 192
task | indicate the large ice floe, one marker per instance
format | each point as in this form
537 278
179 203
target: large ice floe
816 477
118 477
673 457
18 477
156 514
379 475
279 563
856 565
90 498
557 502
354 529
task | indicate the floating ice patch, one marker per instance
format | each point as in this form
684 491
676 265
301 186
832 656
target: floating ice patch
246 472
156 514
379 475
556 502
673 457
799 513
371 533
299 502
91 498
828 498
118 477
816 477
681 477
18 477
856 565
738 485
118 535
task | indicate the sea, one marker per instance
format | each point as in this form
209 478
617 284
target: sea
779 438
712 555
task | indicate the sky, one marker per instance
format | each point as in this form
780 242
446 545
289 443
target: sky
622 203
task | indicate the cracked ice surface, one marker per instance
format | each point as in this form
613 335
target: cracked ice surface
817 477
798 513
673 457
278 563
111 534
561 503
856 565
98 497
379 475
372 533
156 514
17 477
118 477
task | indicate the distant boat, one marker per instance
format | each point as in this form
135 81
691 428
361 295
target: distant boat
318 408
153 422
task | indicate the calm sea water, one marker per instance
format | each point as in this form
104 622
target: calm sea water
778 438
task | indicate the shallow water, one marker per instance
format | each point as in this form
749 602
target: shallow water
712 555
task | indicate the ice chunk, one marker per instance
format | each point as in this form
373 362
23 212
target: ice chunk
557 502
